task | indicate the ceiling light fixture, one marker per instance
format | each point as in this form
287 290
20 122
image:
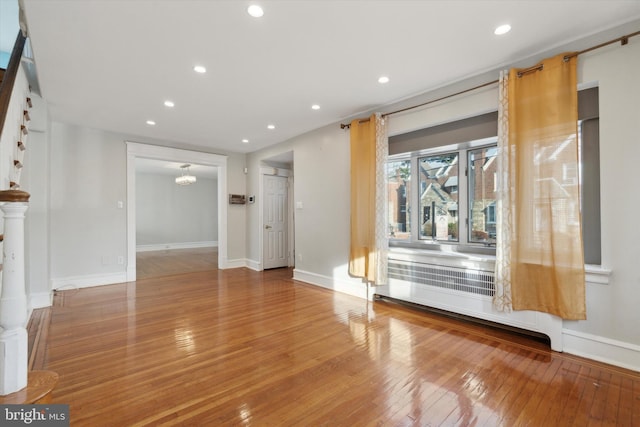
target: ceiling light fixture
502 29
168 103
246 141
383 80
271 127
199 69
255 11
185 178
315 107
151 123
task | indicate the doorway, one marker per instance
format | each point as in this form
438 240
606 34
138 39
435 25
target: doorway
145 151
276 217
275 222
176 225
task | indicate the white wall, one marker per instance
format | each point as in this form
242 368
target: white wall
321 175
613 310
175 215
236 214
87 231
87 180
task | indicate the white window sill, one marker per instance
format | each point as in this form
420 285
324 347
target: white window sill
597 274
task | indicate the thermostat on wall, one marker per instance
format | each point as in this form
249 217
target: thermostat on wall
236 199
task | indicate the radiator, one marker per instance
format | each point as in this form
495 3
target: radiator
459 285
475 282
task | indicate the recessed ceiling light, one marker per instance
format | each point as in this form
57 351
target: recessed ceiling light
168 103
271 126
383 79
315 107
246 141
255 11
151 123
199 69
502 29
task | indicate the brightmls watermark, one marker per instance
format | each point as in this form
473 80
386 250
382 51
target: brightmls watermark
34 415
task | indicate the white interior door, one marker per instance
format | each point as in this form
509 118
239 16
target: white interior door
275 223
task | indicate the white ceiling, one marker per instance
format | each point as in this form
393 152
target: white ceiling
111 64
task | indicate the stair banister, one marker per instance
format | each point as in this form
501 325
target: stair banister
13 297
9 78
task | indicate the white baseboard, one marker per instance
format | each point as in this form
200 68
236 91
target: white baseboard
353 287
76 282
40 300
602 349
234 263
257 265
183 245
254 265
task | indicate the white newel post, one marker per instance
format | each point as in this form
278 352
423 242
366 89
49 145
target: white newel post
13 298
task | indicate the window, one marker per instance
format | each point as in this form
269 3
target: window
589 174
438 177
455 194
454 166
482 195
399 188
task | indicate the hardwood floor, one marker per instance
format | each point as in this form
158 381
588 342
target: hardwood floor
152 264
239 347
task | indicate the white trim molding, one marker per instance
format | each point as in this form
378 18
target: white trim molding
254 265
353 287
602 349
170 246
597 274
40 300
236 263
88 281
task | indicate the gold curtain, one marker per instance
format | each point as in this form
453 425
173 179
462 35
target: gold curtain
546 262
369 145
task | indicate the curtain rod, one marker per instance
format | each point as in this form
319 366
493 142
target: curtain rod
623 41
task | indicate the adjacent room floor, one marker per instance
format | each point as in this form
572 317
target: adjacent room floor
175 261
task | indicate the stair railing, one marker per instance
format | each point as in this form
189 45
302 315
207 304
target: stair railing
9 78
17 384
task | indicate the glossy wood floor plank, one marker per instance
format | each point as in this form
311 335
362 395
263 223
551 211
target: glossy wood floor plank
151 264
239 347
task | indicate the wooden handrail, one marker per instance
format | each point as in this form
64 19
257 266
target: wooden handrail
6 87
14 196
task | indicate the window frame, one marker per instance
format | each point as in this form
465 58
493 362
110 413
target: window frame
420 192
462 149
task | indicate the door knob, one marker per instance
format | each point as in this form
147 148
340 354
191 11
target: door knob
268 227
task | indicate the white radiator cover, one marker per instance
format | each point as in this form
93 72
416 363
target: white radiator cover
459 283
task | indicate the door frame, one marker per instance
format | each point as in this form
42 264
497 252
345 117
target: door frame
272 171
148 151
